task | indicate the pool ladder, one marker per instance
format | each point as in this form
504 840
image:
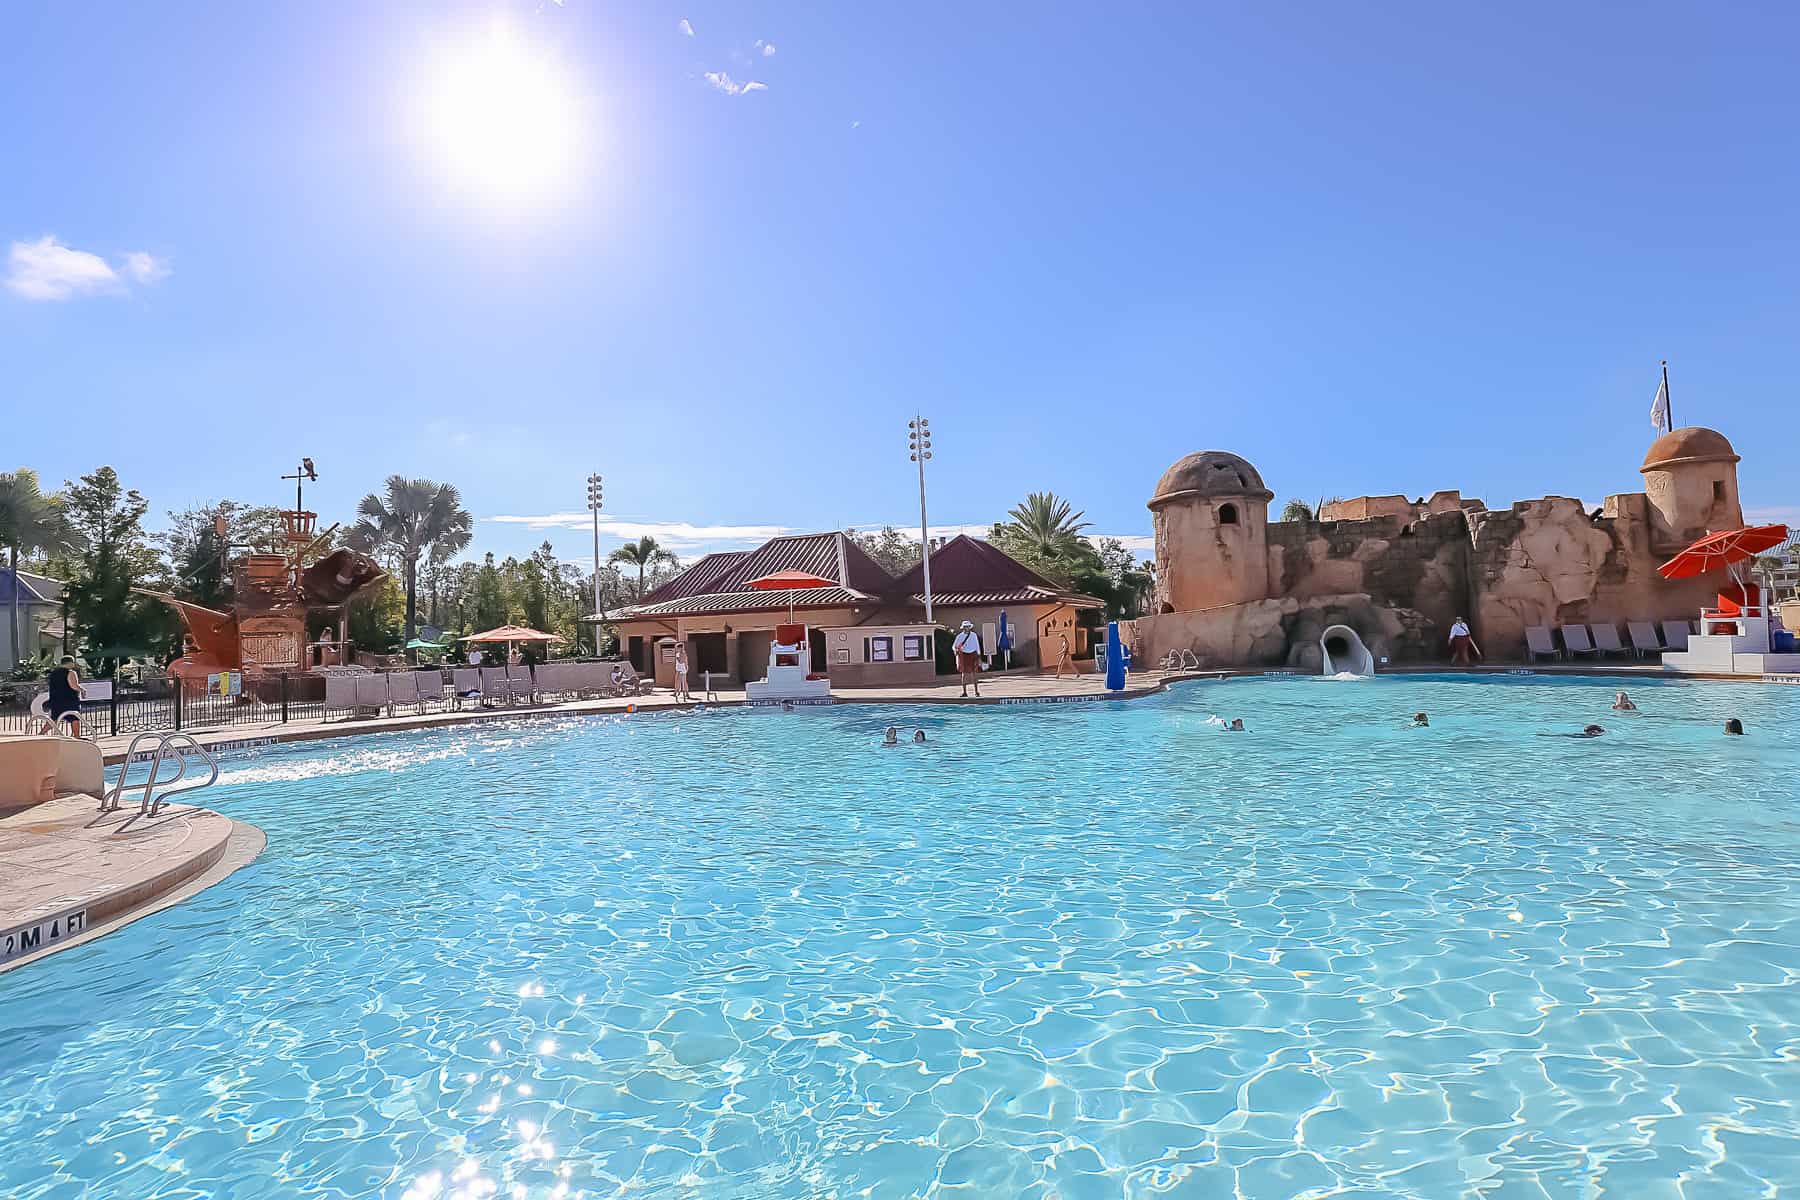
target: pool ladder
176 746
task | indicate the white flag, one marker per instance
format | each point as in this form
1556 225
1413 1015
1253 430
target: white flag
1659 408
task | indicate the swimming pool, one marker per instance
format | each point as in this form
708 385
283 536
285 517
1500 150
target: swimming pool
1074 950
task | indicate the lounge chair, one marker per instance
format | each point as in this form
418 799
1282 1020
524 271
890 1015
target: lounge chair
431 686
524 687
1606 639
1539 644
403 688
340 694
465 685
1675 635
1643 637
495 687
1576 640
372 694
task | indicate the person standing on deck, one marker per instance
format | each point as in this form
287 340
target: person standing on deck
65 697
968 657
1462 644
1064 659
681 670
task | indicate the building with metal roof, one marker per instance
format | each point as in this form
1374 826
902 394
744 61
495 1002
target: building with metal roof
867 626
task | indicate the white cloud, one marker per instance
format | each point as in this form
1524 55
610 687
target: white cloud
675 533
1781 514
686 26
141 267
1137 543
725 83
48 270
767 48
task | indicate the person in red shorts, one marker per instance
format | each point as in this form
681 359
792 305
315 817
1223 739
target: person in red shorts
1462 644
968 657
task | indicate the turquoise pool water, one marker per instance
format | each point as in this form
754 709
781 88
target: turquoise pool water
1088 950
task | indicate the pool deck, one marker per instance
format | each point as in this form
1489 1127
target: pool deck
69 873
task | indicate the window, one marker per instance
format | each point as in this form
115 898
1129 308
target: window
912 647
1228 514
1718 489
881 649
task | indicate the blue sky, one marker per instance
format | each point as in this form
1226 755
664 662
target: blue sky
1372 248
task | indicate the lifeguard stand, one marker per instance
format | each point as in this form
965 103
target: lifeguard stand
790 674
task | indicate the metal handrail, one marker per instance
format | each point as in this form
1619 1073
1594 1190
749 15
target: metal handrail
168 745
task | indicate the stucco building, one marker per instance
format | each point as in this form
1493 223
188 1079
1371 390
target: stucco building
867 628
1239 590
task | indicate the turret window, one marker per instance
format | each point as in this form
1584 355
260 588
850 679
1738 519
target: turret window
1228 514
1718 489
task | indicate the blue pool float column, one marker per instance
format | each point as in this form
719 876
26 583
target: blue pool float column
1116 656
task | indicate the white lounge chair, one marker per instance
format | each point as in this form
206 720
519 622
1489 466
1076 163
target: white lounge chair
1576 640
1643 638
1606 639
1675 635
1538 643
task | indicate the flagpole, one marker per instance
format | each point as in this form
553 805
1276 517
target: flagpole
1668 406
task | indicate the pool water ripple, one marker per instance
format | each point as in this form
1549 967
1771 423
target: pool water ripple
1070 951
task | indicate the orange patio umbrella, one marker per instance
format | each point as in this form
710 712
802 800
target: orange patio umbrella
514 633
790 582
1723 549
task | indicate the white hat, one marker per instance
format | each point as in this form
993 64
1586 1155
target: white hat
968 624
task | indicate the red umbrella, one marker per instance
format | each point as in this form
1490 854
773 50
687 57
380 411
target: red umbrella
790 582
1722 549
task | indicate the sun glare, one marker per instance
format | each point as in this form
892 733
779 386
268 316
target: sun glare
500 117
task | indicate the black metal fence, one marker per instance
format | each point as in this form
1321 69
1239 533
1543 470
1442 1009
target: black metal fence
159 704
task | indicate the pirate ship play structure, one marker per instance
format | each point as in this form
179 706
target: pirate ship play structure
273 597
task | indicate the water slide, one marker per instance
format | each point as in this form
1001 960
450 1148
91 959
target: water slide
1344 653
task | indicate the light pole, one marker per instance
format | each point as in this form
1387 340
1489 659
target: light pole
918 441
596 493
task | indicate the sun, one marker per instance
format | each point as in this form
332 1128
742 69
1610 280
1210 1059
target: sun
500 117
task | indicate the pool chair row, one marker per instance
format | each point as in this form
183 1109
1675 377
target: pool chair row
575 681
1642 637
385 693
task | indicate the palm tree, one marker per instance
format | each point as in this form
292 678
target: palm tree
30 522
645 552
1045 526
416 516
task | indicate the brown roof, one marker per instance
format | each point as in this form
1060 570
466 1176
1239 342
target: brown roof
702 577
1208 473
758 601
966 570
1691 443
720 582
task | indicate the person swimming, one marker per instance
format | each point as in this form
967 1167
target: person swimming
1217 720
1623 703
918 736
890 736
1734 727
1420 720
1591 731
1236 726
